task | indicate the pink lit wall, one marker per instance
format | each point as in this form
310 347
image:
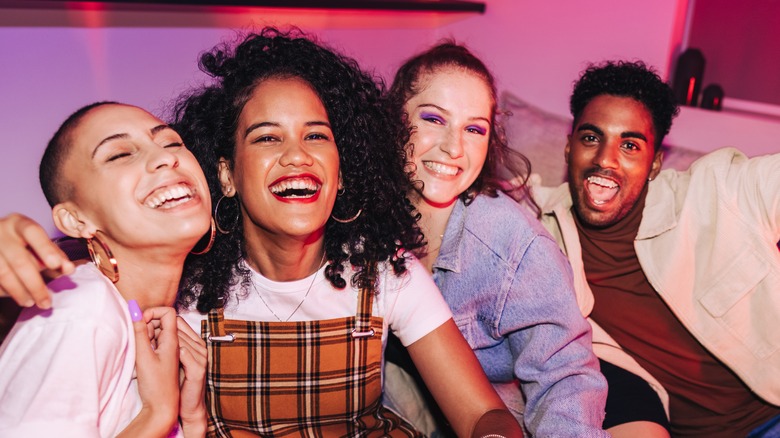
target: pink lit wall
536 49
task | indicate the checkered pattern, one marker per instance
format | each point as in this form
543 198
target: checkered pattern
309 378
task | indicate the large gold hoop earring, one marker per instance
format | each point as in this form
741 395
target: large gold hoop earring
102 257
211 235
340 192
233 220
346 221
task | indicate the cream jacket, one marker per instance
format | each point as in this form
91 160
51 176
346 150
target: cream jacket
708 245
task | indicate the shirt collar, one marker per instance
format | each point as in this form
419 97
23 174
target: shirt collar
660 213
449 258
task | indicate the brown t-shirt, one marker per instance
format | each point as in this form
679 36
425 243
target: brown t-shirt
705 397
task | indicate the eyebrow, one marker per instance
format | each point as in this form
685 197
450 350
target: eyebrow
159 128
124 136
597 130
424 105
277 125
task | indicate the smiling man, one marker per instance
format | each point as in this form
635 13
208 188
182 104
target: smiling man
678 271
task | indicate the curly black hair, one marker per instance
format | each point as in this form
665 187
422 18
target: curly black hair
502 163
372 161
627 79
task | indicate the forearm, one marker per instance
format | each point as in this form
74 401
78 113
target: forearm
194 428
149 423
497 423
461 390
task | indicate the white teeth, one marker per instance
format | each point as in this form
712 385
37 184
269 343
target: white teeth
441 168
169 196
602 181
307 185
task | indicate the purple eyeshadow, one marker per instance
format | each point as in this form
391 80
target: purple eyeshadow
479 129
426 116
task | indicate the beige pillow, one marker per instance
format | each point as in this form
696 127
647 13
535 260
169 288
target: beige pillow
537 134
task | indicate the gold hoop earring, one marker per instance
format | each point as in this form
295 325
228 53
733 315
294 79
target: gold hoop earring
211 234
346 221
233 220
109 267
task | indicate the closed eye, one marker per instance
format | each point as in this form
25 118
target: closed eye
117 156
174 145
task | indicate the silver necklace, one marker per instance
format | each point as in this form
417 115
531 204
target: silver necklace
304 296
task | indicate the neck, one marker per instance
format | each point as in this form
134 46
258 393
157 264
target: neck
625 228
285 258
433 223
150 277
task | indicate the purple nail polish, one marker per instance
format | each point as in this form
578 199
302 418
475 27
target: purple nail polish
135 311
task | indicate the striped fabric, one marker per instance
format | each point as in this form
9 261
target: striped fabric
310 378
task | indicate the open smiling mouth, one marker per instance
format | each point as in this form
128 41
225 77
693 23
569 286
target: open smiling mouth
601 190
441 168
296 188
169 196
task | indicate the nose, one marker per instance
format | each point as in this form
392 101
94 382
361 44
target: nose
452 144
295 154
607 156
160 157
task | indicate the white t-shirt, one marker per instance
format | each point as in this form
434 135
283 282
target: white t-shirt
70 371
410 304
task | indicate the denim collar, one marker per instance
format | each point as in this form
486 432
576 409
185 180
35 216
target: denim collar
449 258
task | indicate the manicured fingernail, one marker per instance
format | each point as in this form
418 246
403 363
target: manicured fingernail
135 311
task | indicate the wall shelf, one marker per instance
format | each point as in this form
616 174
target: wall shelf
388 5
705 130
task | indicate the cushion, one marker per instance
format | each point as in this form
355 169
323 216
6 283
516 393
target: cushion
537 134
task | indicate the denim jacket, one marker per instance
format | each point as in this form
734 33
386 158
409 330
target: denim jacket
510 290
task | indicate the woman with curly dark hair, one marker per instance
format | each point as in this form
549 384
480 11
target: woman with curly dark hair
506 281
310 269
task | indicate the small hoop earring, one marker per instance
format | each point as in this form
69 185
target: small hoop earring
233 220
346 221
110 267
212 234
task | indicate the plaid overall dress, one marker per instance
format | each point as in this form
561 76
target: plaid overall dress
308 378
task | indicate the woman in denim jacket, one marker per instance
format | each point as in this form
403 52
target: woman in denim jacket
505 279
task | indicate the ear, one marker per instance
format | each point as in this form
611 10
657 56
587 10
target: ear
567 149
226 178
655 168
67 219
341 181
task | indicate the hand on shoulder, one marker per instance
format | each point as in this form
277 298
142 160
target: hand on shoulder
26 256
